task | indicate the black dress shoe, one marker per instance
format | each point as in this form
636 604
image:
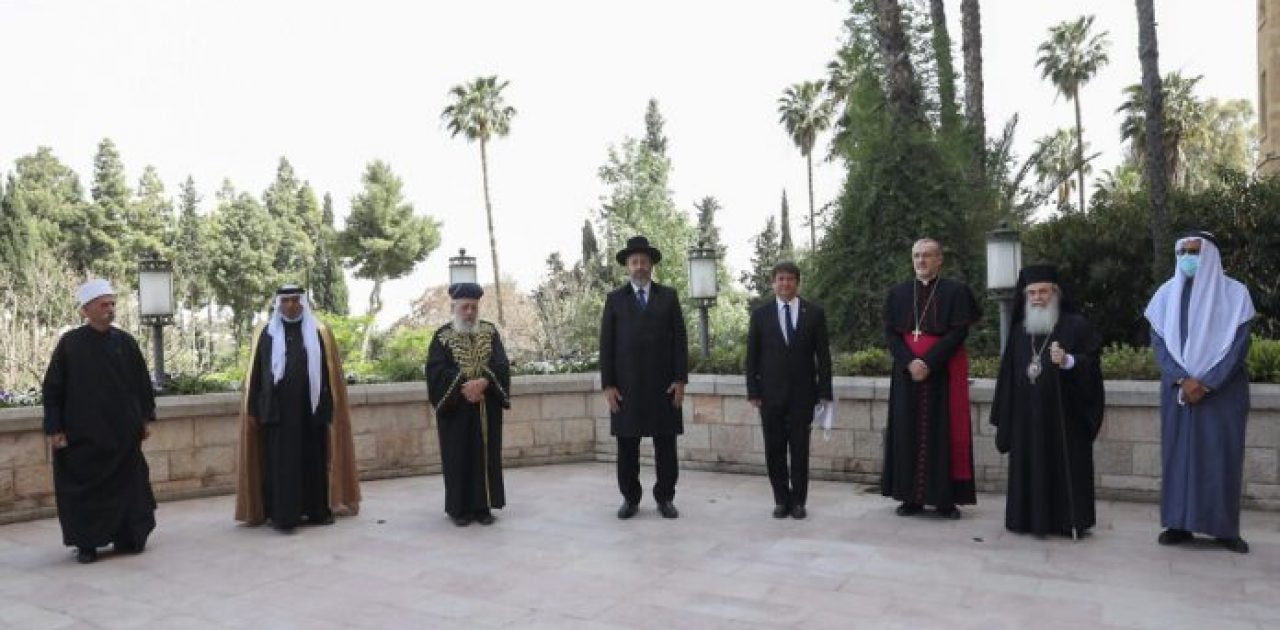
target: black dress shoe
485 518
461 521
668 509
86 555
909 509
321 520
780 511
628 510
799 512
1173 536
950 511
1236 544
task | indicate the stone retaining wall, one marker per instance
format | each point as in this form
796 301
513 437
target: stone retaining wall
563 418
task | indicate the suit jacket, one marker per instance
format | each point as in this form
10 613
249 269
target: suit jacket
642 352
782 375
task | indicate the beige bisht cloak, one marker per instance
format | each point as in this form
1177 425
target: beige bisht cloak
344 485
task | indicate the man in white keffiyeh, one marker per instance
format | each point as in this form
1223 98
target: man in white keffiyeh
1200 335
297 463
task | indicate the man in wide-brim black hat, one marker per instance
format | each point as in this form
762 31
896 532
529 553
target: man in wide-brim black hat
644 365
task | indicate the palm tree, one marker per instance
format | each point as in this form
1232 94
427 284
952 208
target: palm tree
1184 117
1148 53
1071 56
478 112
804 113
902 91
1055 160
971 38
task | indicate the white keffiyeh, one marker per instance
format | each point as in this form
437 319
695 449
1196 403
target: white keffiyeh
310 341
1219 305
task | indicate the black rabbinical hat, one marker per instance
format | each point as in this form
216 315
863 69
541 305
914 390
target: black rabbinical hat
639 245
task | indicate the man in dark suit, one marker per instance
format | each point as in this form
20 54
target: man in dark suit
644 365
788 373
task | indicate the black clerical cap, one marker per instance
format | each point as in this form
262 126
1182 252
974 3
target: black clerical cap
290 289
466 291
1208 236
1032 274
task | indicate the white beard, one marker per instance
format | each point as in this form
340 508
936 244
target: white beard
1041 320
463 326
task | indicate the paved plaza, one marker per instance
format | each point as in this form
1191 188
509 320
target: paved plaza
559 558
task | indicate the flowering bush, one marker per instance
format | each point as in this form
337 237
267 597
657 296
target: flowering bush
28 398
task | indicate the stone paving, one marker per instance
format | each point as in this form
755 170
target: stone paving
559 558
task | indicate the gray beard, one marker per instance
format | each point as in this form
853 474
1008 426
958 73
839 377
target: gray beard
1041 320
463 326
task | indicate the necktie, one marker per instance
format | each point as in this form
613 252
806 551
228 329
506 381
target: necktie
790 326
640 299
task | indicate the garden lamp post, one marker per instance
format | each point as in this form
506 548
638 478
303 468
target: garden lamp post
703 287
155 305
1004 260
462 268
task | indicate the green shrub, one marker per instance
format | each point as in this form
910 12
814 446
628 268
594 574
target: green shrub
1264 360
1122 362
868 362
984 367
404 355
723 360
193 384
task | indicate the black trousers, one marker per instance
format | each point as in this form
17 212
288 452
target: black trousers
786 429
664 459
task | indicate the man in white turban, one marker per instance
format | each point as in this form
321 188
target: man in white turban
1200 334
98 400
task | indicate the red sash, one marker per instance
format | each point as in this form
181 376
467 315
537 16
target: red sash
958 405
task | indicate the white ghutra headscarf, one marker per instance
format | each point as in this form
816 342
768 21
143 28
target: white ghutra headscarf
310 341
1219 305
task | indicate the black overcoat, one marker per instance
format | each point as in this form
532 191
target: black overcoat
642 352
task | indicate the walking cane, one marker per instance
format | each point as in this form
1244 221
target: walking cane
1066 456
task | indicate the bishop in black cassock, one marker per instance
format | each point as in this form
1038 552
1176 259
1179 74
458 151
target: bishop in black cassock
928 445
1048 409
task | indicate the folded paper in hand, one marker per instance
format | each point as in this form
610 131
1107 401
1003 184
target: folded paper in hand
824 414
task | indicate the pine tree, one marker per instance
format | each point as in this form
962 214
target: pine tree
96 248
242 257
654 139
785 247
295 253
759 280
639 202
149 222
328 282
45 210
384 239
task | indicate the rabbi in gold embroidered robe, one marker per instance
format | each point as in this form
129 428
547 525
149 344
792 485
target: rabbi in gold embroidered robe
468 379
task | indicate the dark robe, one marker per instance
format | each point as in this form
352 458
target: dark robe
295 439
470 433
642 352
97 391
928 445
1048 427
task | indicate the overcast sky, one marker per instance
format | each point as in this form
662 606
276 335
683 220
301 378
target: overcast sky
223 89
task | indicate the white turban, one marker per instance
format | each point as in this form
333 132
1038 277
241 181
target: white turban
93 290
